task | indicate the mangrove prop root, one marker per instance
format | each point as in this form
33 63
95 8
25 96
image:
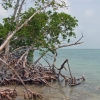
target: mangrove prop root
19 72
32 95
8 94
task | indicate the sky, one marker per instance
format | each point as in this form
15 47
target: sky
88 16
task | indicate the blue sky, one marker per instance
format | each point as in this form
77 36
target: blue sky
88 15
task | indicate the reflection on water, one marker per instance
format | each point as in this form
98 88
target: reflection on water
61 92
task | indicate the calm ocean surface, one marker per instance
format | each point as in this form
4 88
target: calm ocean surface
81 61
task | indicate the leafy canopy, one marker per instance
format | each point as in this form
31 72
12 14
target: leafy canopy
43 30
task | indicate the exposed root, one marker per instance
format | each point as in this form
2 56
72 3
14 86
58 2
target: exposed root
8 94
19 72
32 95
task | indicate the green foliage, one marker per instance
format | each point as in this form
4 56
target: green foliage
43 30
9 24
52 3
3 33
7 4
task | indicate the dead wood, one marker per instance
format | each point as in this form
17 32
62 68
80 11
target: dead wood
8 94
19 72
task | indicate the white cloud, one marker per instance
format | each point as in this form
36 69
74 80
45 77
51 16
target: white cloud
89 13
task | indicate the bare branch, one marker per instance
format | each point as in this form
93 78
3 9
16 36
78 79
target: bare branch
76 43
40 57
47 62
16 8
7 46
53 65
79 39
19 11
69 45
19 48
26 53
16 74
69 68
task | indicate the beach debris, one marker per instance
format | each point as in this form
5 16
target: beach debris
32 95
33 74
29 74
8 94
73 81
18 71
83 77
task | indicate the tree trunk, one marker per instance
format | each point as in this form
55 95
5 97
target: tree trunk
17 29
3 66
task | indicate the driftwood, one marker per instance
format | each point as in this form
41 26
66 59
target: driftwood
32 95
72 81
8 94
19 72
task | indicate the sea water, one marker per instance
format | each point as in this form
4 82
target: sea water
81 61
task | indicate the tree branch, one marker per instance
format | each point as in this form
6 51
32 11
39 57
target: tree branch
19 49
19 11
16 74
76 43
47 62
16 7
69 45
79 39
53 65
26 53
17 29
40 57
